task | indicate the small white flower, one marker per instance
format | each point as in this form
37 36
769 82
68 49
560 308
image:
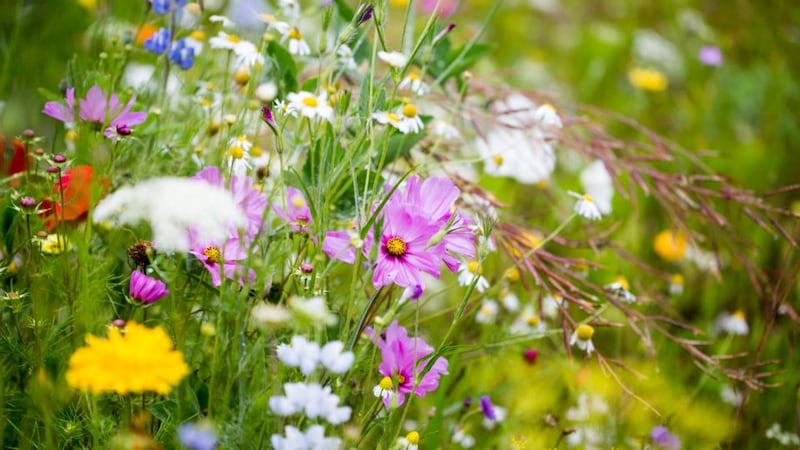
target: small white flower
499 416
248 54
273 22
267 316
468 272
390 118
547 117
676 283
731 396
586 207
414 83
517 153
226 22
300 353
297 44
334 359
445 130
551 305
734 324
596 181
266 92
310 105
224 41
582 337
509 300
345 57
314 310
528 322
463 439
311 399
394 59
384 390
487 313
405 118
621 289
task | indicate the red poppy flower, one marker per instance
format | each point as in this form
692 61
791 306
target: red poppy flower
76 184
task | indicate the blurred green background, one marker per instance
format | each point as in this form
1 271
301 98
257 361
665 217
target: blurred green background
742 114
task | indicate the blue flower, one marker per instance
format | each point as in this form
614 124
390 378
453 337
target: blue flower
158 42
182 55
162 7
197 437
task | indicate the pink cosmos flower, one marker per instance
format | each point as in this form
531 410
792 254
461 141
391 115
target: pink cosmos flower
295 210
252 201
64 113
109 113
145 289
220 260
446 7
404 253
403 360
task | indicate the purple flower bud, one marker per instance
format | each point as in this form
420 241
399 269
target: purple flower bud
59 159
119 323
306 267
27 202
467 402
366 14
444 32
123 130
487 409
664 439
266 114
530 355
53 169
28 134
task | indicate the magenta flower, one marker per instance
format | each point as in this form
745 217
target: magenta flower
403 359
145 289
295 210
664 439
64 113
340 245
404 253
446 7
252 201
109 113
220 260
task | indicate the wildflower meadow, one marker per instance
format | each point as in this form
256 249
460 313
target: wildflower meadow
399 224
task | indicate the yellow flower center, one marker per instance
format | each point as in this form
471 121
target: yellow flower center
549 106
474 267
233 38
294 33
413 438
72 136
241 76
236 152
256 151
512 275
585 332
396 247
498 159
298 202
392 117
677 279
486 310
413 76
623 282
386 384
198 35
409 110
534 320
212 255
311 102
400 379
587 198
739 314
648 79
670 245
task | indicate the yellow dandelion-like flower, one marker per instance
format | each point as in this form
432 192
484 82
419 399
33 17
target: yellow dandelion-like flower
142 359
648 79
670 245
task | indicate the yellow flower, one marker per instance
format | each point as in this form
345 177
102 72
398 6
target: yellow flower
54 244
90 5
670 245
142 359
648 79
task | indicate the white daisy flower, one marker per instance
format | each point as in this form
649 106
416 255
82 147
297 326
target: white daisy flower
273 22
518 154
384 390
586 207
410 114
621 289
528 322
394 59
551 305
248 54
676 283
390 118
735 324
224 41
414 83
468 272
487 313
297 45
547 117
596 181
226 22
582 337
509 300
310 105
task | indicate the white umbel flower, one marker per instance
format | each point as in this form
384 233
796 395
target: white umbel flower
394 59
311 399
333 358
173 206
586 207
300 353
313 439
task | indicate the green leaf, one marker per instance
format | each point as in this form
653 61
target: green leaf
285 66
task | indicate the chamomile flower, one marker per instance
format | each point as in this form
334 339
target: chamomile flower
410 114
551 305
509 300
596 181
517 153
226 22
528 322
487 312
582 337
676 283
586 206
237 157
410 442
344 56
384 390
414 83
621 289
390 118
224 41
470 271
310 105
297 44
735 324
248 54
394 59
